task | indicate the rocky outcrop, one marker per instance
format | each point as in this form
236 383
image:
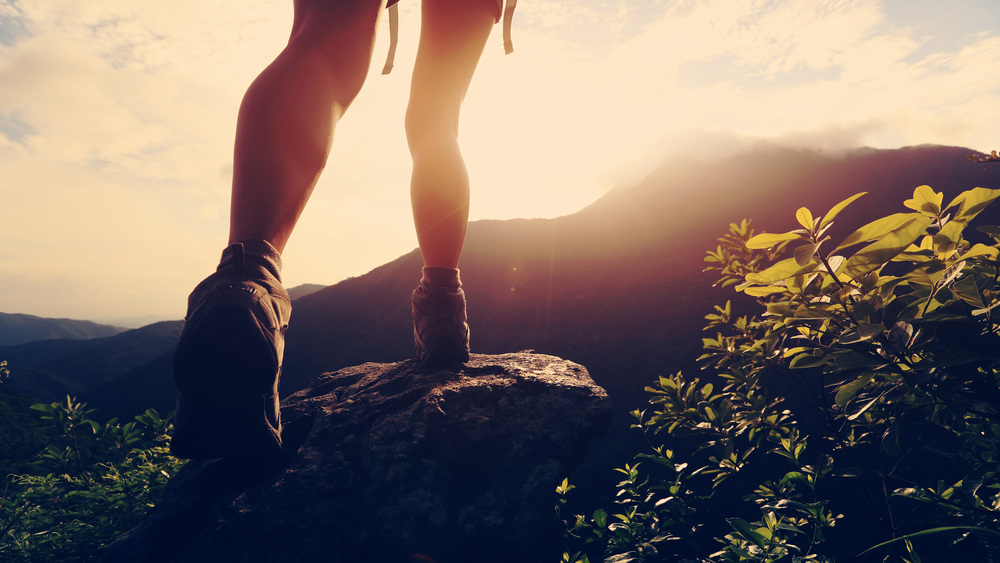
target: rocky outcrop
392 462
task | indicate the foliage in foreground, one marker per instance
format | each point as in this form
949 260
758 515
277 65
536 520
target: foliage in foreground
858 417
92 483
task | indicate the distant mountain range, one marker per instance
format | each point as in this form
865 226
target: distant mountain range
48 370
617 286
16 328
56 357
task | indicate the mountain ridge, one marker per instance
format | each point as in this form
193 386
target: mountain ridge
617 287
18 328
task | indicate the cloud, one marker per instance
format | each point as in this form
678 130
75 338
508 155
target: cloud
13 25
117 120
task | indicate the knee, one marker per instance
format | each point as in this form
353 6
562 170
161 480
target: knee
429 125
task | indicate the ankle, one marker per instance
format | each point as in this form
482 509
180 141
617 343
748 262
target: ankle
438 278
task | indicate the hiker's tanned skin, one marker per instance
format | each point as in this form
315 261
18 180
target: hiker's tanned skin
229 355
289 114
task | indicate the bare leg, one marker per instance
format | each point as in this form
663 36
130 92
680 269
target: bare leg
452 37
288 115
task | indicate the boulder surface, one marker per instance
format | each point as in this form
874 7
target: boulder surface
393 462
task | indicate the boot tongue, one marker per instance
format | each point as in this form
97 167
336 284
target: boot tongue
255 253
239 261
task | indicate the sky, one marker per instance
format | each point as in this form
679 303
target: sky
117 120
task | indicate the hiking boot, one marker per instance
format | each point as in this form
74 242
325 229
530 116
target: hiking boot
228 360
440 330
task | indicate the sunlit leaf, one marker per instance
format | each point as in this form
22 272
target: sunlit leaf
867 406
925 200
805 218
780 271
805 361
796 350
822 311
878 229
793 476
767 240
838 208
835 261
873 256
764 291
985 310
990 252
970 203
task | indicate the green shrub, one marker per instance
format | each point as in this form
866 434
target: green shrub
91 483
859 415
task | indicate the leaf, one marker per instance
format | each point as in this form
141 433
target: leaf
971 202
864 331
764 291
975 313
805 218
925 200
746 530
765 533
877 229
804 254
948 276
793 351
950 233
780 271
970 486
835 261
875 255
622 558
867 406
767 240
900 335
847 392
850 359
990 252
804 361
793 476
838 208
600 518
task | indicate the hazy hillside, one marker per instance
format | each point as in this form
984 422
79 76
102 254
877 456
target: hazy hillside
121 376
303 290
49 369
617 287
16 328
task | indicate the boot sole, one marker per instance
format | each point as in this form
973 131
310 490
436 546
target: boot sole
445 350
